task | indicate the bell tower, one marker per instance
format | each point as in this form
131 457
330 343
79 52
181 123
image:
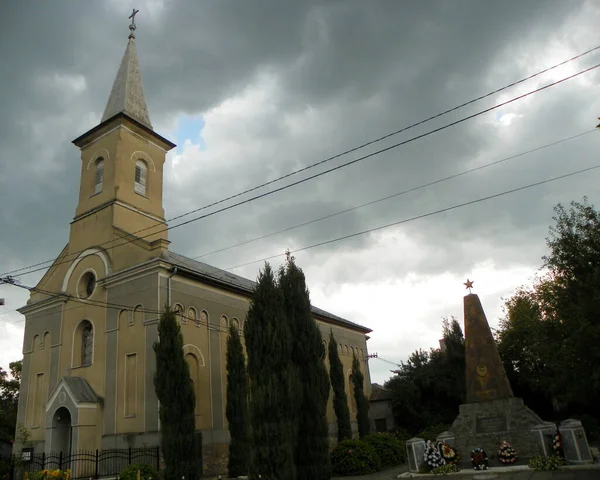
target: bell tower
122 160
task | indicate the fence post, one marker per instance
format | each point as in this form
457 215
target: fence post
60 460
11 468
43 460
129 456
157 458
96 472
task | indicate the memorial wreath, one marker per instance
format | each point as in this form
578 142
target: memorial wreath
448 452
432 456
479 459
557 444
507 453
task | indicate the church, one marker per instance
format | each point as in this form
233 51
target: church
91 321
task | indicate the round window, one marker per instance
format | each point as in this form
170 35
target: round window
87 285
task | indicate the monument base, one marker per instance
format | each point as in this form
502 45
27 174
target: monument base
487 424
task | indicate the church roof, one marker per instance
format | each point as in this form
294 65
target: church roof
81 390
127 94
222 277
379 393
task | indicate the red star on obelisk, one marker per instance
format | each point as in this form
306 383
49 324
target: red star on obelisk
469 284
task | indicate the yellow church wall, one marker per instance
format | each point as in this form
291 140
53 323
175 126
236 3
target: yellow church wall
130 368
52 279
89 231
74 314
121 146
38 377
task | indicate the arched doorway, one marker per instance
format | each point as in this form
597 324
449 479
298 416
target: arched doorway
61 431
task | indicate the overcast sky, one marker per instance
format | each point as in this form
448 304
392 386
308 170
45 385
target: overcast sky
253 90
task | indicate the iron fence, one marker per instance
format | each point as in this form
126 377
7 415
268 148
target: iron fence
83 464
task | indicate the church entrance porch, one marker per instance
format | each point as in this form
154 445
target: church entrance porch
61 434
71 418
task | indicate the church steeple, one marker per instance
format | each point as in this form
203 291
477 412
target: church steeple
122 162
127 94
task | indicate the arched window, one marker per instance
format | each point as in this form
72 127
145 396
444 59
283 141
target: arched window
138 315
99 175
235 323
140 177
87 342
193 316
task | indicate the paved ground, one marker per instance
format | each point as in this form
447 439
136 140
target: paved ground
578 473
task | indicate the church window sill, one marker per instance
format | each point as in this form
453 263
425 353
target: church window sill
142 195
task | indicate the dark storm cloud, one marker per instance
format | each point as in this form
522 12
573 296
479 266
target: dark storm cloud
320 77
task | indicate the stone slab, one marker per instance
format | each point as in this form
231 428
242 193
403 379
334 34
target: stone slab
487 424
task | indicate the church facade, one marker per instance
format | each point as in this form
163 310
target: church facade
91 321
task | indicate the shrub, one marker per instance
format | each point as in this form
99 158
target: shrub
445 469
431 432
354 457
389 449
147 472
540 463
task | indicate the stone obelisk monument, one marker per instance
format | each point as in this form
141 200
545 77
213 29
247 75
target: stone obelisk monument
491 413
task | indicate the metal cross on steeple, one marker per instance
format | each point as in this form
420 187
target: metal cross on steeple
132 25
132 16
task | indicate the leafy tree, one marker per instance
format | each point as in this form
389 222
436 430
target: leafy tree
340 399
429 388
308 355
362 403
237 405
548 339
271 379
175 393
9 400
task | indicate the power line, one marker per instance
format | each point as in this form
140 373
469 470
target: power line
382 227
388 197
351 150
11 281
298 182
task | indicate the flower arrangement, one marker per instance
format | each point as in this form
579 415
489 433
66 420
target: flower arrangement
557 444
479 459
432 456
449 453
507 453
53 475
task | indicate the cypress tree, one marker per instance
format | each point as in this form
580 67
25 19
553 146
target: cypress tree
340 399
237 405
175 393
308 354
271 374
362 403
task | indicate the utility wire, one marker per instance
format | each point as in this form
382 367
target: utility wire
489 197
388 197
298 182
351 150
382 227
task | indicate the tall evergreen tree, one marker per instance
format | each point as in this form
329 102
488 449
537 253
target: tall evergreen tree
237 405
271 376
175 393
308 355
338 383
362 403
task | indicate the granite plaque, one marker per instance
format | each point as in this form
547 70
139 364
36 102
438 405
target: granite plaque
491 424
